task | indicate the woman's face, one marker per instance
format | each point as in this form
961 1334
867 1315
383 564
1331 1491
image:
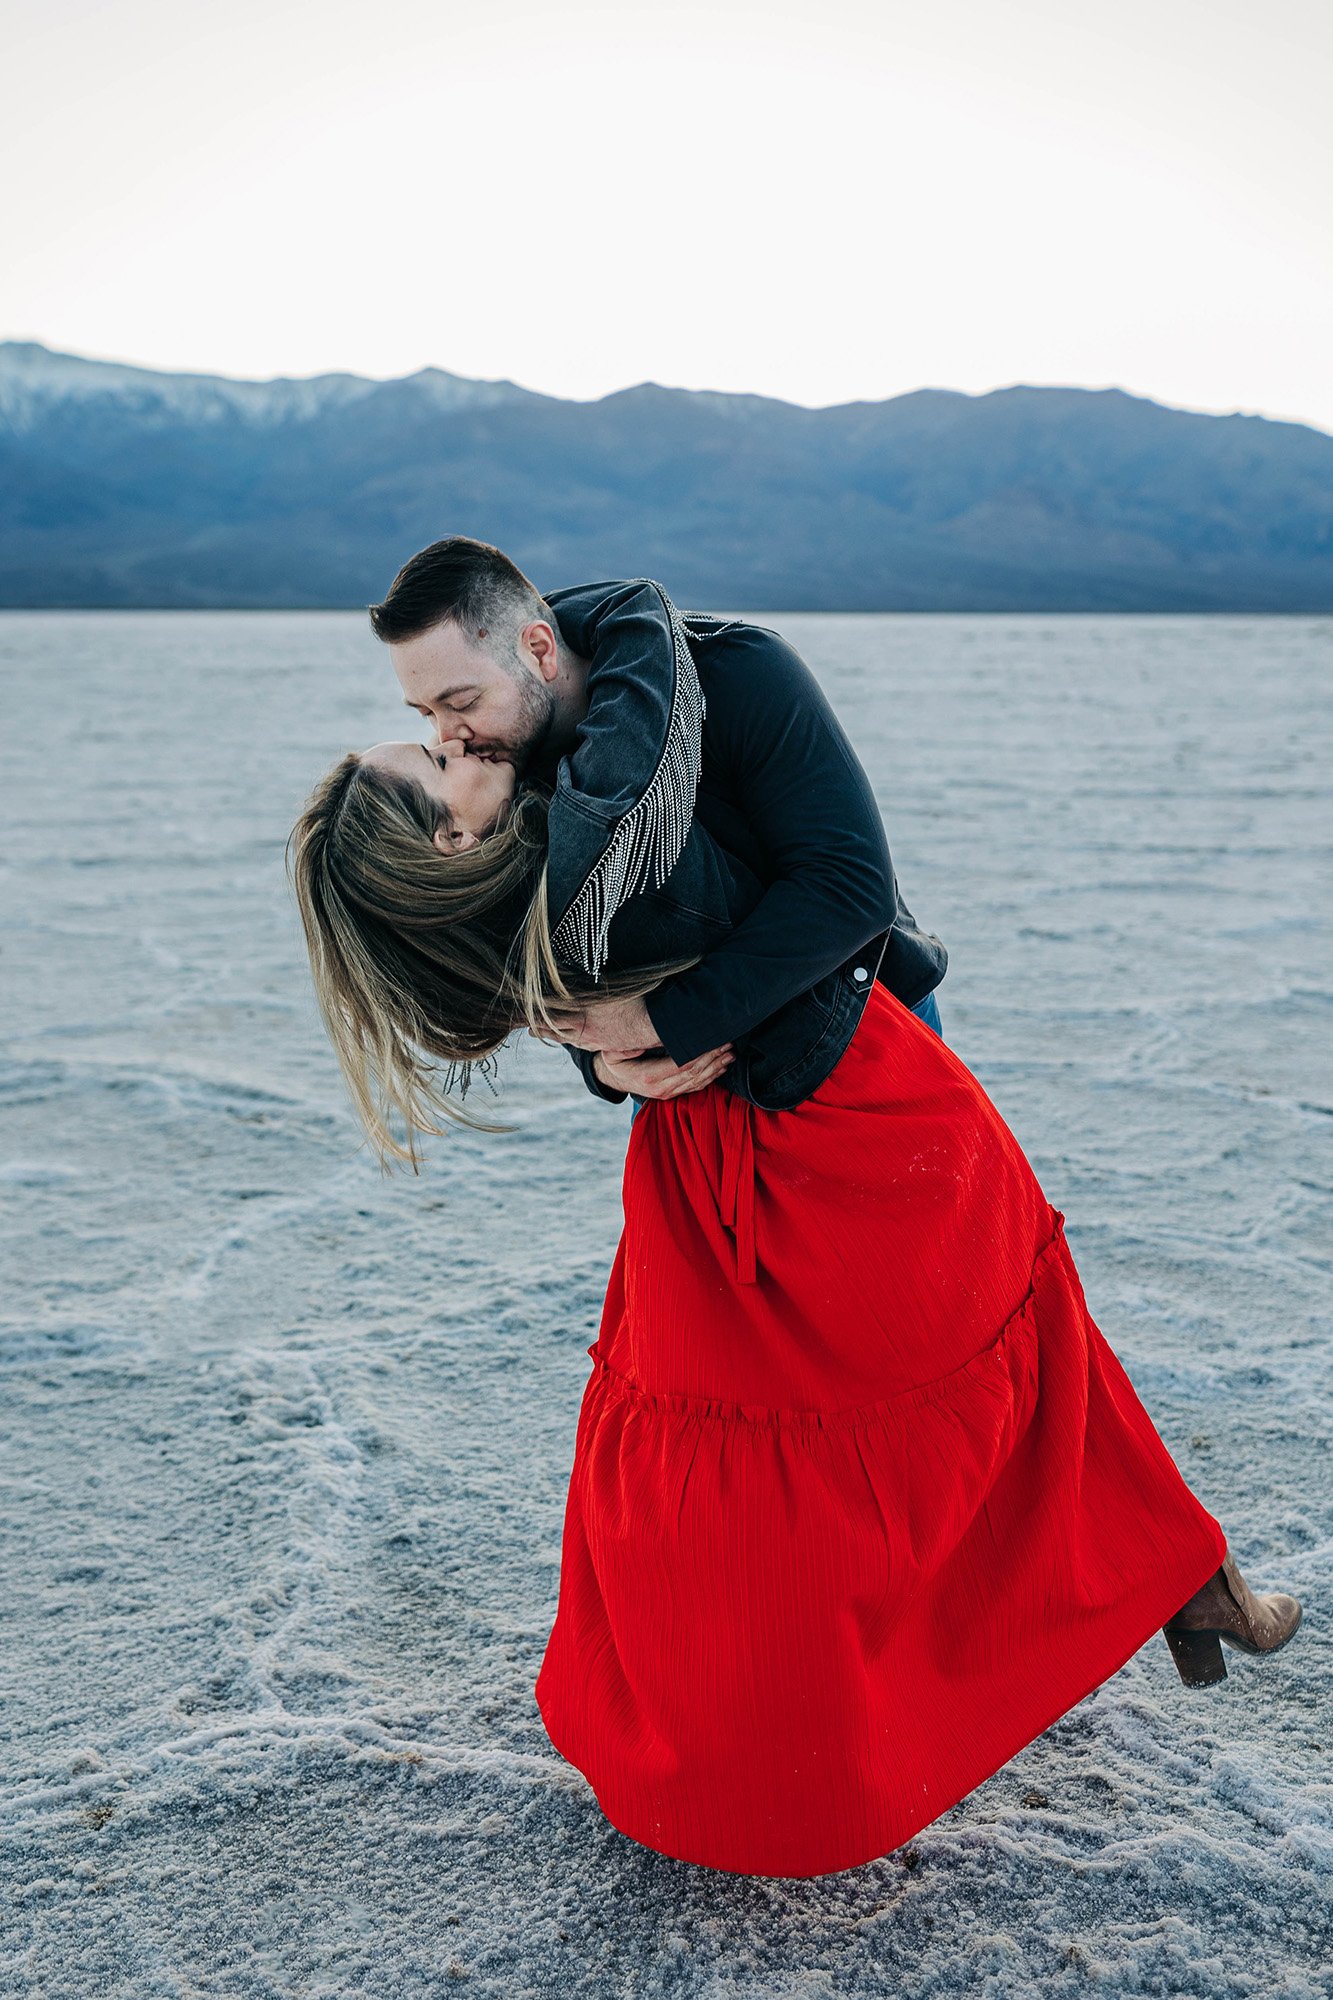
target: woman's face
470 791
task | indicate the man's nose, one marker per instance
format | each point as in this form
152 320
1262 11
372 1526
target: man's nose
450 732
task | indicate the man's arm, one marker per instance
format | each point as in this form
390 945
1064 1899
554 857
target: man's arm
809 802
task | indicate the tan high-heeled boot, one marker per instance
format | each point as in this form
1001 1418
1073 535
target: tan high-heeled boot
1226 1608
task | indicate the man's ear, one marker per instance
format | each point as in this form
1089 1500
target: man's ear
544 647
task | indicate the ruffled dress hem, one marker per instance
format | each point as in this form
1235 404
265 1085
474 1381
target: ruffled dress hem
980 1671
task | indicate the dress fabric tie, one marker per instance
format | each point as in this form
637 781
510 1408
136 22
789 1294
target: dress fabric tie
736 1202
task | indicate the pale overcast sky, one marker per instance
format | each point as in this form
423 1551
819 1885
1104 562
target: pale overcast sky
815 199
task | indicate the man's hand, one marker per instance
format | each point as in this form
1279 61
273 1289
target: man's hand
657 1075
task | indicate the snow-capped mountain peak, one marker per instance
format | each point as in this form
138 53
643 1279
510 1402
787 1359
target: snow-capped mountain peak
35 381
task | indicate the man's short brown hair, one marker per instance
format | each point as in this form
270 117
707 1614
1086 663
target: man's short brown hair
470 583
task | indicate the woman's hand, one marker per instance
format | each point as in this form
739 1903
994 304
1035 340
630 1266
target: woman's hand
629 1055
657 1075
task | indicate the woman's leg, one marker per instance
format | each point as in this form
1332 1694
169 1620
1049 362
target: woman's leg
928 1010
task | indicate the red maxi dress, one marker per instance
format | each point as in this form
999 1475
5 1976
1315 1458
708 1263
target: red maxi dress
862 1500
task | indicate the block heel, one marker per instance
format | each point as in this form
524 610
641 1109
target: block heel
1226 1608
1198 1656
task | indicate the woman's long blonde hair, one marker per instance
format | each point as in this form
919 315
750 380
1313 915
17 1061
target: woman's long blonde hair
423 962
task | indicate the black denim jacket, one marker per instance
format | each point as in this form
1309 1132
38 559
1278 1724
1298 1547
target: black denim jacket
713 803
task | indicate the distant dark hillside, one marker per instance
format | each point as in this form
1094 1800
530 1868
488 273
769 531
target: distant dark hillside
121 486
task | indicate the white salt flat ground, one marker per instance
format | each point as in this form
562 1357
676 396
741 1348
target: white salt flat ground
285 1446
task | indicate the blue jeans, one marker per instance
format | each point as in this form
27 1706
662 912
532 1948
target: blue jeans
928 1010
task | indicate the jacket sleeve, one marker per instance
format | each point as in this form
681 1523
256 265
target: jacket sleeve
624 631
624 796
810 804
583 1061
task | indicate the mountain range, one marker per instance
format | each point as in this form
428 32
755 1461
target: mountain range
126 486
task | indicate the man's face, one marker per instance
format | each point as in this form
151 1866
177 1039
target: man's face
499 708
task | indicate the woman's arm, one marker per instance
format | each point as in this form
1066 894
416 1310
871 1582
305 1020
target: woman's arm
624 796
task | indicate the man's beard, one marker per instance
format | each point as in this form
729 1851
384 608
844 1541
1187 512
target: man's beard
539 708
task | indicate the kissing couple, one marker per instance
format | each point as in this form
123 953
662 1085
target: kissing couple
862 1500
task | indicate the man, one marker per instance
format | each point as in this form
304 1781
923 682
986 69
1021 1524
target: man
486 660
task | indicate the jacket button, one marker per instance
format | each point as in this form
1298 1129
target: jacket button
859 972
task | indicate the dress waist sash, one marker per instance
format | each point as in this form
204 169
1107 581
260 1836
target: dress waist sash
736 1199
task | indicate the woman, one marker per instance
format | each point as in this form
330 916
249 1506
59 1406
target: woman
861 1499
